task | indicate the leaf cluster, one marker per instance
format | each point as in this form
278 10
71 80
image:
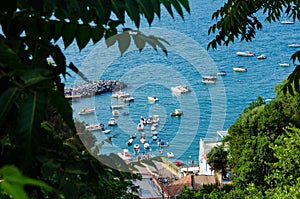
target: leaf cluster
38 134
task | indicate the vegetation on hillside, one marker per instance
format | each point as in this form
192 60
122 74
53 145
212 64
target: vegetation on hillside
38 135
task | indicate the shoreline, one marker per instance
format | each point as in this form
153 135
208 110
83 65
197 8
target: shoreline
93 88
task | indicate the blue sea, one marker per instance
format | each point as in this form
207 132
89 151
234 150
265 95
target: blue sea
207 108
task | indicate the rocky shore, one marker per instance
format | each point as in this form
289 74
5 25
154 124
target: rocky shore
94 88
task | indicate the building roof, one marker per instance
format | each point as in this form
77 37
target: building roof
190 181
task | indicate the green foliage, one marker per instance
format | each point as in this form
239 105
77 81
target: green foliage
38 134
236 20
217 159
12 183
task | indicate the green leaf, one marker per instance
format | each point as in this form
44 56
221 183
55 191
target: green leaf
13 182
185 4
69 32
7 99
123 41
63 107
35 76
132 9
156 7
148 9
177 7
31 29
83 35
167 5
97 34
46 29
118 7
58 28
9 58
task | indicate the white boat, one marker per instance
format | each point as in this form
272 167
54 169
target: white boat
245 54
140 126
210 79
112 122
155 119
222 73
170 154
86 111
240 69
129 99
115 113
142 140
180 89
115 107
154 132
125 155
106 131
294 45
262 56
286 21
146 145
129 141
95 127
177 112
284 64
120 95
152 98
136 146
154 137
153 128
149 120
207 81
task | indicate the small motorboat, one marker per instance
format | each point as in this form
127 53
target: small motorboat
116 107
115 113
146 145
294 45
152 98
180 89
222 73
149 120
95 127
153 128
129 99
210 79
112 122
129 142
163 144
262 56
155 119
154 137
284 64
106 131
154 132
245 54
240 69
140 126
143 140
177 112
136 146
120 95
178 163
86 111
170 155
286 21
